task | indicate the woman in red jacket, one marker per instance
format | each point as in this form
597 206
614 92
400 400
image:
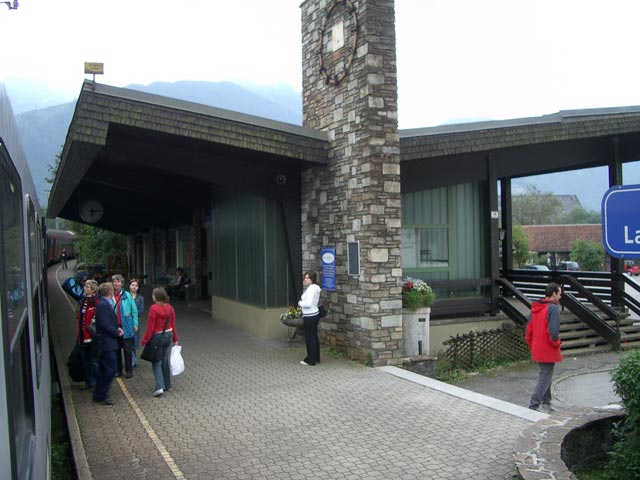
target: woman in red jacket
543 337
161 318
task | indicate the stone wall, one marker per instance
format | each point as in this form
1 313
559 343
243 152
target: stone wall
357 196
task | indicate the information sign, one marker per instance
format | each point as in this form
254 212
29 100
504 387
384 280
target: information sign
329 269
621 221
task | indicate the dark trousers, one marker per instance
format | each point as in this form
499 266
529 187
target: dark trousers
126 346
310 327
106 372
90 363
542 392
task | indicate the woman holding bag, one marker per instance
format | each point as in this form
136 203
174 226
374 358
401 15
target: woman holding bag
162 322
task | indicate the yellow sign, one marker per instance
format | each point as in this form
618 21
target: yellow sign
94 68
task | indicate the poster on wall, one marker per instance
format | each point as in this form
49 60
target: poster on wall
329 269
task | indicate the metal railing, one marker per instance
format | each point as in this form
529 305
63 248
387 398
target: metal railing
582 293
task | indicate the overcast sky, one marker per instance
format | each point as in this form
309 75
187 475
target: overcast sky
457 59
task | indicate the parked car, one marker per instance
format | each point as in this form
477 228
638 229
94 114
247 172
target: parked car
536 267
631 268
569 266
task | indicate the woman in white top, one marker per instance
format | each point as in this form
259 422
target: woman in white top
311 316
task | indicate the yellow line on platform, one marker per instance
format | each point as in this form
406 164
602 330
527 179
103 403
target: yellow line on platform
152 434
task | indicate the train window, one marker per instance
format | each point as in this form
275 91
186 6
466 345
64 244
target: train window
33 240
12 249
22 403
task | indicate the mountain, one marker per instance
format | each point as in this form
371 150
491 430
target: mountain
43 131
589 184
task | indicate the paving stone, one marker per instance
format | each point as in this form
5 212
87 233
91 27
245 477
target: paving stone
246 409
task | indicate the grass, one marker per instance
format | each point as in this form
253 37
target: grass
595 472
445 372
61 456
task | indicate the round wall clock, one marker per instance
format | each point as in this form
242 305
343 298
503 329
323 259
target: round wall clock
337 42
91 211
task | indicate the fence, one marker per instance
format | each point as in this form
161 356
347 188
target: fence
474 349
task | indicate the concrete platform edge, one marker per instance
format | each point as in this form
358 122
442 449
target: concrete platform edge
468 395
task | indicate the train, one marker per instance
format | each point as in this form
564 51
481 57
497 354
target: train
25 363
58 240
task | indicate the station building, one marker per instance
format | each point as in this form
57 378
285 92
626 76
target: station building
247 204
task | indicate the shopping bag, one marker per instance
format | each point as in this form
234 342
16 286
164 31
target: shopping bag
176 363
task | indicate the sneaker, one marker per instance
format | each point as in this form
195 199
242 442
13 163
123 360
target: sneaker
158 392
302 362
107 401
548 406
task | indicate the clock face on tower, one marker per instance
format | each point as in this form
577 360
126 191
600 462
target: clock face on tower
337 41
91 211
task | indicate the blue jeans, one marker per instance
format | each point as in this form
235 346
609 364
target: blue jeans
136 346
161 369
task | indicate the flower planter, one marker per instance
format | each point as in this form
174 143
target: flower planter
292 322
415 331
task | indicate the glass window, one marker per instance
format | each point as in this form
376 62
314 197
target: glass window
22 403
12 248
442 238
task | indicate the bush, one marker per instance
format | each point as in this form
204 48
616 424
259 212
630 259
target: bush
625 457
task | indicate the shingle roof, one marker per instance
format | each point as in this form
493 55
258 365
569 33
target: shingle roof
484 136
558 238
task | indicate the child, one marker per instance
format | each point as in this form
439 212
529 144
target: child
134 286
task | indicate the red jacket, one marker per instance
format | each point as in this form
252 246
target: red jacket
156 319
86 314
542 327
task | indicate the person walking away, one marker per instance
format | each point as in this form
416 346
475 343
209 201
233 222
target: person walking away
138 299
108 331
543 337
63 258
87 316
162 317
310 318
127 314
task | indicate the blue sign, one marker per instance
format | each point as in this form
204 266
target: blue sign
621 221
329 269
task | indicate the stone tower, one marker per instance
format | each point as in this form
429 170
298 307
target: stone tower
350 91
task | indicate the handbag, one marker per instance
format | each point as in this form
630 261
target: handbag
152 351
74 364
322 311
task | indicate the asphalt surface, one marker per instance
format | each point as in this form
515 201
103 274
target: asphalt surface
246 409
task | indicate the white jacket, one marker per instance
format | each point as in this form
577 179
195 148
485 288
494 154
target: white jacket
309 300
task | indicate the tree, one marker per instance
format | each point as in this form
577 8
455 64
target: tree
579 216
520 246
589 255
52 168
535 207
96 244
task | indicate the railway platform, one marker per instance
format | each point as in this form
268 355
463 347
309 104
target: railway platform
246 409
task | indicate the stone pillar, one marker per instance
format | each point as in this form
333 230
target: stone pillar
350 91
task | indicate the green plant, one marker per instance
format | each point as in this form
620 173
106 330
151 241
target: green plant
416 293
292 313
589 255
625 456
